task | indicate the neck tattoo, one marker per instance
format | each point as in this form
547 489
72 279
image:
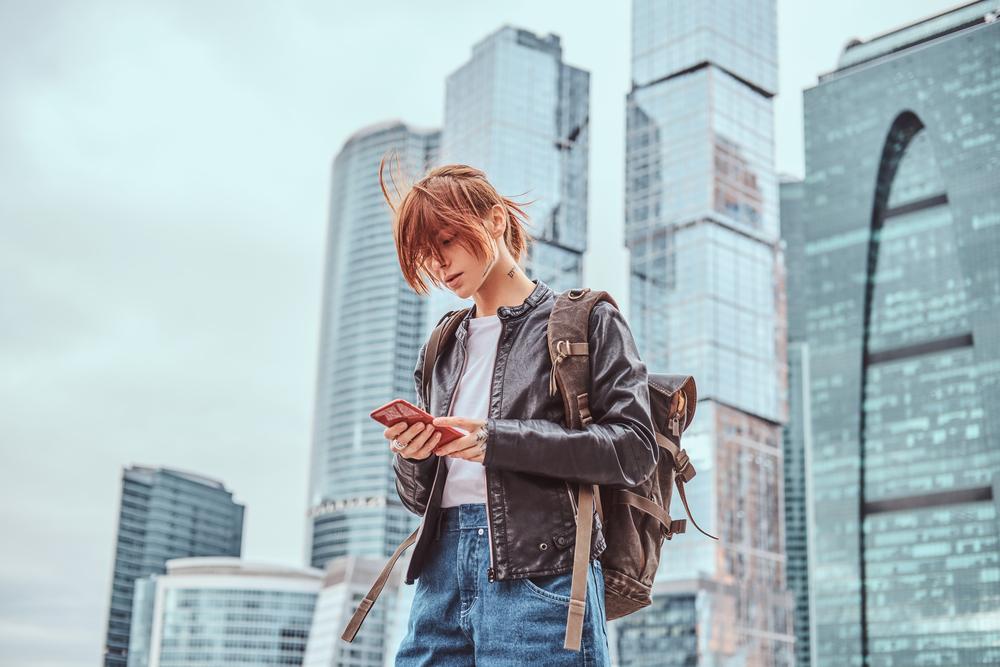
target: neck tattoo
510 274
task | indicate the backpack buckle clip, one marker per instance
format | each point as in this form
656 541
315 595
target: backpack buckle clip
681 461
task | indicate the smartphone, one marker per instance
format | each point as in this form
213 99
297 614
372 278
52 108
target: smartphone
399 410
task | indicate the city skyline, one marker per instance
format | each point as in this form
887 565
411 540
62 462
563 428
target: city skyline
183 274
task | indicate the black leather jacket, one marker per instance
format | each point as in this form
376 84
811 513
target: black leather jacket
533 462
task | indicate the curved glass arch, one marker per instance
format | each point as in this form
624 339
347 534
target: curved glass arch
923 475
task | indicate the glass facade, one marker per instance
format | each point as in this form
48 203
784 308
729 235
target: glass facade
900 234
664 635
369 340
212 612
143 604
517 112
796 431
707 298
164 514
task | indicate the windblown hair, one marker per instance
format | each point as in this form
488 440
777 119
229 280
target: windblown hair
454 200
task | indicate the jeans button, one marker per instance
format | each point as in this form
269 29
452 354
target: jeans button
480 531
543 546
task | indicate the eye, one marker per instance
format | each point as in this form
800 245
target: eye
447 240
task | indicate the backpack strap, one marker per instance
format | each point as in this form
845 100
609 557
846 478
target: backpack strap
683 403
569 349
568 334
442 333
683 472
670 527
369 600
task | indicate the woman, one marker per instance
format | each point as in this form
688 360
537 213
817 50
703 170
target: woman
494 558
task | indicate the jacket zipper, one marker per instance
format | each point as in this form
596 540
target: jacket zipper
490 572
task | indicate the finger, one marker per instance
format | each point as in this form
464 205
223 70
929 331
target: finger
461 422
429 446
413 450
445 450
410 433
471 454
421 438
392 432
458 445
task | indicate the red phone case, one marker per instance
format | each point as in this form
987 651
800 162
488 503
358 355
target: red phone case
399 410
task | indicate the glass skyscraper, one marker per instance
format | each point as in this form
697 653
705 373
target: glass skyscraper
796 431
223 611
164 514
520 114
372 329
371 333
707 298
899 265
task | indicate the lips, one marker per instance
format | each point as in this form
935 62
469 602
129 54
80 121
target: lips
452 278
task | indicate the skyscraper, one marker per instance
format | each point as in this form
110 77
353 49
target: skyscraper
707 298
372 330
371 333
796 431
520 114
164 514
900 240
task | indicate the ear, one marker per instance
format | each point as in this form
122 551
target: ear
499 220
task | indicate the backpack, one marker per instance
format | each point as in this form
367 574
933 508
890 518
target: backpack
636 520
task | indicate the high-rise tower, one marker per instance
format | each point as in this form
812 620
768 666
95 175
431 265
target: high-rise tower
164 514
519 113
707 298
899 245
370 336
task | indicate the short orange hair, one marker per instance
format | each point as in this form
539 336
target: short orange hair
452 199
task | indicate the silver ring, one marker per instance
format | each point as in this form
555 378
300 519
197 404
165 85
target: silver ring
397 445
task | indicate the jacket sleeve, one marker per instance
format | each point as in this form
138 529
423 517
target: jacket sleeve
414 478
618 448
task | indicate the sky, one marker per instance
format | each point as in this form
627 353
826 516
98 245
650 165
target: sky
164 170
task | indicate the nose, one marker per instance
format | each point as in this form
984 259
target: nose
437 265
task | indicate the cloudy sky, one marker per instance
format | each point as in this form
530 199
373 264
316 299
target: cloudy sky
164 170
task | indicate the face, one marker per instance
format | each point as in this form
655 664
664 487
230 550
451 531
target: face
461 271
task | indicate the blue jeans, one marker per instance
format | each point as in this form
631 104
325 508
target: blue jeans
459 618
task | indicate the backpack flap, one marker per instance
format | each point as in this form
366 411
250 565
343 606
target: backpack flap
673 400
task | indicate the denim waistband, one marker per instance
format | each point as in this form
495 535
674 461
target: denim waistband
468 515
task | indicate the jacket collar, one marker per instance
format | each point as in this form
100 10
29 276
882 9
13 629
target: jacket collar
510 312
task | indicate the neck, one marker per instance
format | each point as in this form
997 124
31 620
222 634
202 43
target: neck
507 285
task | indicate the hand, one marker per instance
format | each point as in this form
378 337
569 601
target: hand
468 446
418 439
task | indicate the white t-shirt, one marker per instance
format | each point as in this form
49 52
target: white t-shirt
466 481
